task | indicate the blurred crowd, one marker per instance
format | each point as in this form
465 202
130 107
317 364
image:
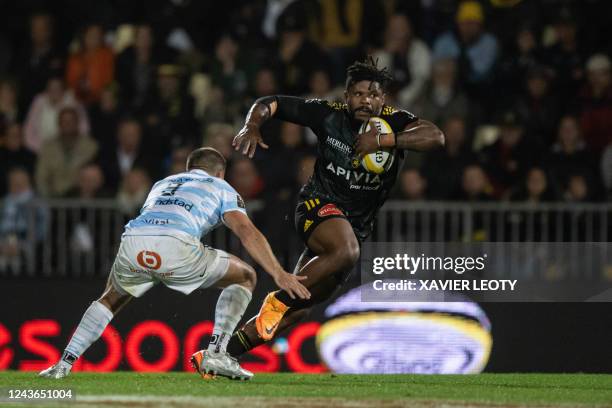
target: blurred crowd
97 100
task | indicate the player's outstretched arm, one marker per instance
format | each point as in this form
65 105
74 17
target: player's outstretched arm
303 112
258 247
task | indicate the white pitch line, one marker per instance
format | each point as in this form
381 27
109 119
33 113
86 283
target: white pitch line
134 401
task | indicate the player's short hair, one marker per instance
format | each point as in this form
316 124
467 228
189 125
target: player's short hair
207 159
367 70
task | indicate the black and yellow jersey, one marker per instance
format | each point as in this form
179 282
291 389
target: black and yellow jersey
338 177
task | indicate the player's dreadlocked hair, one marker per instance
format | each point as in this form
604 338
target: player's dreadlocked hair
367 71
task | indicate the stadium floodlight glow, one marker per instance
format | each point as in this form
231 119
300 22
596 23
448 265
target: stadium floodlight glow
401 338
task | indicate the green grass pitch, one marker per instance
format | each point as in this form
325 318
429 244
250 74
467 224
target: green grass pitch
127 389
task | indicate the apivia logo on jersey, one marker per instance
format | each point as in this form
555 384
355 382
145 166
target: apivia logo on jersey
175 201
359 180
362 179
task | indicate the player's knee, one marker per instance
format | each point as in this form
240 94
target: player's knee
347 255
113 299
249 277
110 301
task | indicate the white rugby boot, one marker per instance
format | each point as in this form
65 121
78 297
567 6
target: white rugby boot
58 370
224 365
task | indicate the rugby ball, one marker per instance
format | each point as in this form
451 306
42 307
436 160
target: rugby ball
381 160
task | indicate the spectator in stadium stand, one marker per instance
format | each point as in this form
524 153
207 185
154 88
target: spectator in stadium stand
475 50
577 189
443 168
276 217
569 154
41 124
230 70
37 61
280 174
280 190
217 109
104 117
136 69
508 159
14 154
170 113
273 11
412 185
519 59
539 106
265 84
178 158
84 226
126 154
535 188
443 98
596 103
407 57
133 191
475 185
219 136
15 241
565 58
61 157
346 28
231 74
297 56
90 184
245 178
8 101
246 22
91 68
320 87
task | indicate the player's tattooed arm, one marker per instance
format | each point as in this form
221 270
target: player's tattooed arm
420 136
249 137
303 112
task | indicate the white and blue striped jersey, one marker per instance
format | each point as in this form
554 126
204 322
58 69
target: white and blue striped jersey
190 203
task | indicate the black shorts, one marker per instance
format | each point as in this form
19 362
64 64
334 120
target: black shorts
309 213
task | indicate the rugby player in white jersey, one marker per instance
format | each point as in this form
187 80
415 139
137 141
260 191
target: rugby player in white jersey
163 245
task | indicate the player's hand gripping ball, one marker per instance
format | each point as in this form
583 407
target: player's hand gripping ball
381 160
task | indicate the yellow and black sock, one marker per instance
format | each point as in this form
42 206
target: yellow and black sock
239 344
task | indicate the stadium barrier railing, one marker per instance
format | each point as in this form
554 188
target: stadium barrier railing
79 238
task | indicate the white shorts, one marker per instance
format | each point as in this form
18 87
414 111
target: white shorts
143 261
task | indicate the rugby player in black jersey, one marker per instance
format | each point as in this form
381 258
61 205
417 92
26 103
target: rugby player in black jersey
338 205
